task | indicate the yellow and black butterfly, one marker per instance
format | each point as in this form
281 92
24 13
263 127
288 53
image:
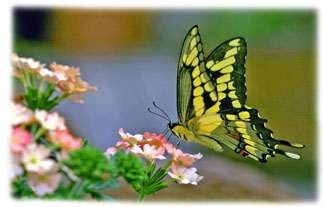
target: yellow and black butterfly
211 98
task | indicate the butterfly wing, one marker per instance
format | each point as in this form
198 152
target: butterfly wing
211 98
191 63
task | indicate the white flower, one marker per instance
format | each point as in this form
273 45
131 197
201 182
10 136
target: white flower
26 63
51 76
16 168
50 121
20 114
43 184
35 159
185 175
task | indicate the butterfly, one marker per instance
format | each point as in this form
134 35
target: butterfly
211 102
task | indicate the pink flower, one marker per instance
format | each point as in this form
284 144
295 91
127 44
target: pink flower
35 159
21 114
185 175
19 139
67 141
180 157
43 184
149 152
154 139
73 85
111 151
50 121
185 158
132 139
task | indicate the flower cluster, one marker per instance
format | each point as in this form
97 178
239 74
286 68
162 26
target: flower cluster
154 147
33 135
66 79
48 161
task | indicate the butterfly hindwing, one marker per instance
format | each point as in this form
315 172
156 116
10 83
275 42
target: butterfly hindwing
226 66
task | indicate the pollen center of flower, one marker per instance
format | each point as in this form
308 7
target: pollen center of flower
33 160
43 178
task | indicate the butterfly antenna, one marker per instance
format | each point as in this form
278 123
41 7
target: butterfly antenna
161 111
158 115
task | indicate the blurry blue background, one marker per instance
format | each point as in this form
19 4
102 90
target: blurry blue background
132 55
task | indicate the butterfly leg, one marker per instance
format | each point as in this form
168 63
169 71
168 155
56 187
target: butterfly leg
178 143
169 137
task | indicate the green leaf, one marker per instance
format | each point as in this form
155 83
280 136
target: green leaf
109 184
100 196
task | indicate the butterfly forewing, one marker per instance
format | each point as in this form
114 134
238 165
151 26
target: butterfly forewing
191 65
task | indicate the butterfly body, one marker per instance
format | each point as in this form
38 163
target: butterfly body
211 101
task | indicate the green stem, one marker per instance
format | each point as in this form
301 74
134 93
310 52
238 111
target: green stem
32 78
148 166
41 86
141 198
168 164
39 133
77 189
25 74
171 181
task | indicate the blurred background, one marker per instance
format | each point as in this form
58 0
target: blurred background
132 56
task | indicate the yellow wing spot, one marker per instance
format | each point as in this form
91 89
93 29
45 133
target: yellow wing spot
224 78
184 58
232 94
236 104
198 38
209 64
202 68
244 114
208 86
222 87
248 107
231 117
227 69
195 62
210 119
204 77
231 85
199 112
193 43
196 72
194 31
197 99
231 52
246 136
191 56
201 57
253 157
213 109
197 81
242 130
199 46
240 124
198 91
221 96
234 43
208 128
198 104
253 151
223 63
213 96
